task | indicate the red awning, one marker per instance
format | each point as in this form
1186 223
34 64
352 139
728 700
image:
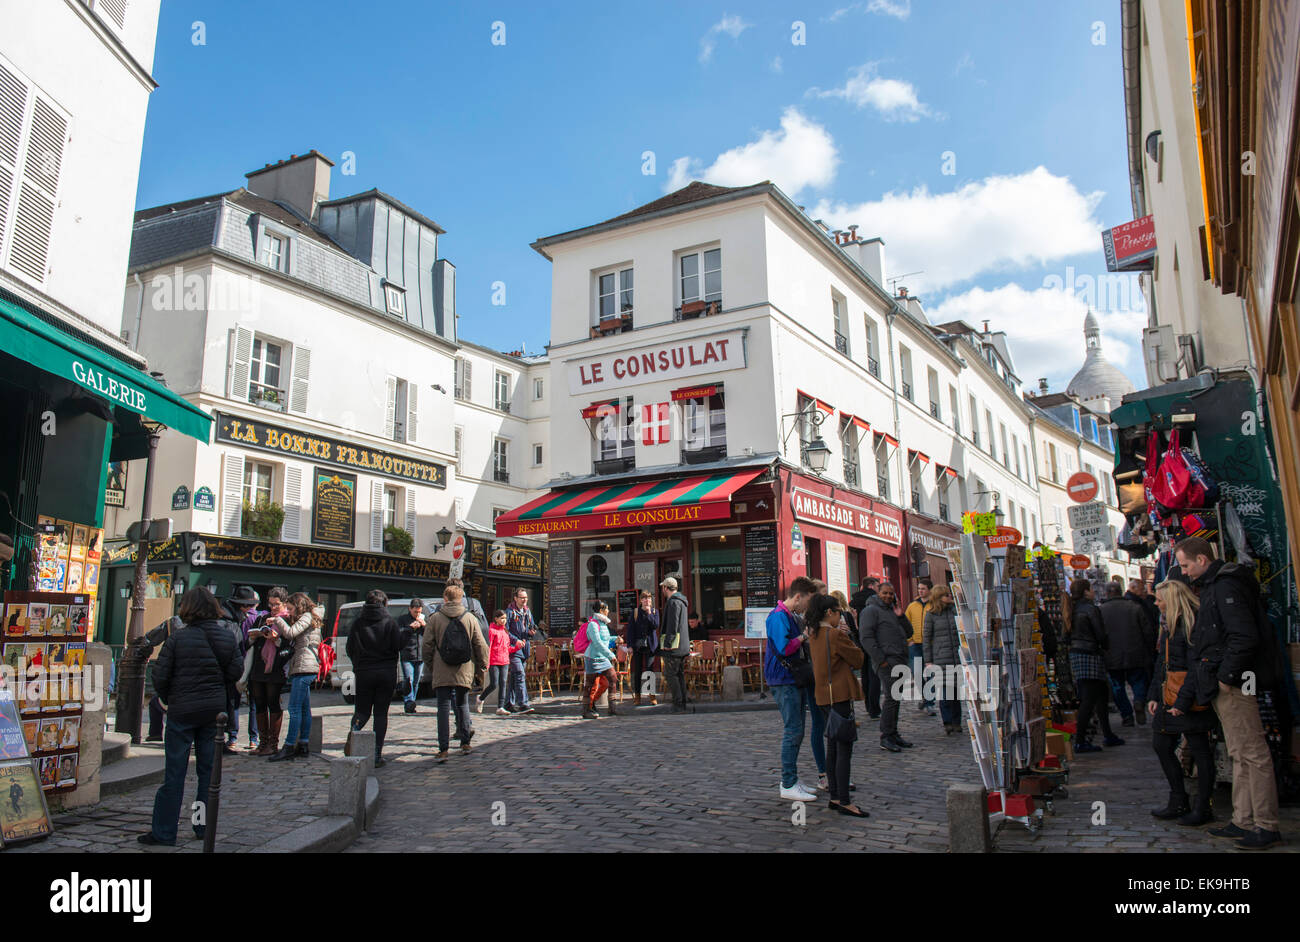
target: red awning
593 410
854 420
823 406
890 439
940 469
694 392
913 454
648 503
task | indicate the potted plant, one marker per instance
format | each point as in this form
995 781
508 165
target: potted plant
262 520
397 540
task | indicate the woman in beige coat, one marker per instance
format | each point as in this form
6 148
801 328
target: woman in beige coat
454 633
834 656
303 632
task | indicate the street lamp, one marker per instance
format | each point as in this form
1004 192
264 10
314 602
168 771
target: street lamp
816 453
444 535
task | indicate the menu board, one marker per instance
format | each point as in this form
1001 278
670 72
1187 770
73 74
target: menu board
561 617
626 606
761 567
334 508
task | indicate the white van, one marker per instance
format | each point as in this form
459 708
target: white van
343 619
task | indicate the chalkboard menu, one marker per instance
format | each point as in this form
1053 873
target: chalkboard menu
334 508
761 567
561 617
626 606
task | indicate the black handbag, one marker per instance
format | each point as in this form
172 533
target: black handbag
839 728
800 668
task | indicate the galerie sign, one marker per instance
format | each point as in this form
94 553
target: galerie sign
842 516
669 360
284 441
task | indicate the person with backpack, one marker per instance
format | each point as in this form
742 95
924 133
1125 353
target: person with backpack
643 639
455 658
597 661
886 641
411 626
373 647
789 675
675 643
519 622
500 647
197 666
1232 655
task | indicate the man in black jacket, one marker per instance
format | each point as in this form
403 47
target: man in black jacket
1137 592
870 679
1130 651
885 640
675 642
1231 657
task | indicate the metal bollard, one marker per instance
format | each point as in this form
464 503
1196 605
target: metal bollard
214 788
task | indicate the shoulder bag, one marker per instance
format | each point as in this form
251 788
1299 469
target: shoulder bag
1174 681
839 728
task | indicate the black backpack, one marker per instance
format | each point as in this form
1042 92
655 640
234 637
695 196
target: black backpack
455 649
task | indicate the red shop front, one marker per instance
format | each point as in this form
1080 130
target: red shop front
838 536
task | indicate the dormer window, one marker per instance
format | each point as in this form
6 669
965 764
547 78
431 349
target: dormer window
275 251
395 300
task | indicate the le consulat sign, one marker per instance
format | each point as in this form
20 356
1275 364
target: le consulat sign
263 436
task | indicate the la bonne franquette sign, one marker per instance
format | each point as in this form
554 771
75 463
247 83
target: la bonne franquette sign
667 360
840 516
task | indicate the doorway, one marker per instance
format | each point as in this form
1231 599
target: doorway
333 599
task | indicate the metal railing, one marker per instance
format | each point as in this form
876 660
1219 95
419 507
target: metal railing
934 410
882 486
841 343
501 475
907 392
943 511
268 397
916 501
873 367
851 473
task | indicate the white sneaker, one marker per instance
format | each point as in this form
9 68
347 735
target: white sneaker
821 782
797 793
478 704
501 711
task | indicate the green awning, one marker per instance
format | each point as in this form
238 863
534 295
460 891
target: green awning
27 337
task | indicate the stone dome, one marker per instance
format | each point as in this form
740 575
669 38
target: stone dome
1098 378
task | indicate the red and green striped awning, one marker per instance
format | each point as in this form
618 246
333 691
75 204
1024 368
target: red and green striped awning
636 504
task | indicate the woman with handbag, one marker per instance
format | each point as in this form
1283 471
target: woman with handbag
1175 713
1088 664
942 649
834 657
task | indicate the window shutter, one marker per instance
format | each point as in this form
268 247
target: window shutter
13 106
376 517
298 381
459 442
467 375
410 511
232 494
115 9
241 343
37 189
390 413
292 530
412 409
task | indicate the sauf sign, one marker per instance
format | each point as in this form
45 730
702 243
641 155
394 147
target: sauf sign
671 359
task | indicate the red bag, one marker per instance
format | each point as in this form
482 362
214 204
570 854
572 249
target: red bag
1160 515
1183 482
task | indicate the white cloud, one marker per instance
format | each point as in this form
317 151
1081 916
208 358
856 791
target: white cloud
776 65
894 99
732 26
1044 330
966 61
899 9
800 154
1000 223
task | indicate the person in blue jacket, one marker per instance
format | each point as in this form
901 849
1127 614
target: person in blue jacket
785 638
598 661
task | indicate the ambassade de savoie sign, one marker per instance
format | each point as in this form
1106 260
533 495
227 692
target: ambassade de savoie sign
264 436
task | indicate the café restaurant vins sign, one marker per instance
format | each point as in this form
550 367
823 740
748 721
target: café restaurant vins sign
671 359
841 516
295 444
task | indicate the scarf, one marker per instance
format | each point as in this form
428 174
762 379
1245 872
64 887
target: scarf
269 647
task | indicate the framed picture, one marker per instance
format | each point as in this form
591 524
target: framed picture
71 733
78 619
68 770
49 771
24 816
37 613
50 736
57 622
15 619
31 729
12 743
80 536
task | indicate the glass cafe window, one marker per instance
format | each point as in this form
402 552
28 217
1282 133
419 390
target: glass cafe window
601 573
717 576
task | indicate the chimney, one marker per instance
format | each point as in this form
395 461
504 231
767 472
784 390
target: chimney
839 236
302 181
1042 386
902 292
871 256
986 327
853 233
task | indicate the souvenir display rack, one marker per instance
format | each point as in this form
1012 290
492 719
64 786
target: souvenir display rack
24 814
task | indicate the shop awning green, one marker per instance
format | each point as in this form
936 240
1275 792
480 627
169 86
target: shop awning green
27 337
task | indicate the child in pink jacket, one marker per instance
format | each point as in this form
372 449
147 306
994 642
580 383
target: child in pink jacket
500 647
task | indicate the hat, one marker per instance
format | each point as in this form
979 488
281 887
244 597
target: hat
244 595
669 583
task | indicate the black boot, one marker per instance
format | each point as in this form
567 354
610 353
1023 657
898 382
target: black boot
286 752
1200 814
1176 808
302 749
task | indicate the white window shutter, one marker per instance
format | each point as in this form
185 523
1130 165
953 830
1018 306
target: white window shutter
292 530
410 512
37 186
232 494
298 381
376 517
13 108
390 413
412 409
467 376
241 344
115 9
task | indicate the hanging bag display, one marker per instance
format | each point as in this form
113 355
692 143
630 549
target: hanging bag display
1160 515
1173 481
1203 489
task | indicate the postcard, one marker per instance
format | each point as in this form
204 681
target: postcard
55 656
57 622
78 618
68 770
49 771
23 815
51 734
15 619
80 537
90 578
95 546
75 570
12 743
74 656
38 612
31 730
71 733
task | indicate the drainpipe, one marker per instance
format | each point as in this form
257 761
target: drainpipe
139 312
893 388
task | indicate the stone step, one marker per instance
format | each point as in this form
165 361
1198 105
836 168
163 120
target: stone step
134 771
117 746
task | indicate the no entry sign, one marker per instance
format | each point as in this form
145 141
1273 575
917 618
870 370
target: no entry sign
1082 487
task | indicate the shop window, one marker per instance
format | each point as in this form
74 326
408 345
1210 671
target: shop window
717 575
704 421
812 548
601 573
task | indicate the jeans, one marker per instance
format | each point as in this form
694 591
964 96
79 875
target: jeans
917 653
464 729
374 694
1092 701
156 716
839 755
889 703
496 681
641 658
792 701
950 710
299 709
675 677
516 691
413 670
178 739
1198 744
1135 677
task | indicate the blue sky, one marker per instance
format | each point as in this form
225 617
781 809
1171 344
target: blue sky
502 144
